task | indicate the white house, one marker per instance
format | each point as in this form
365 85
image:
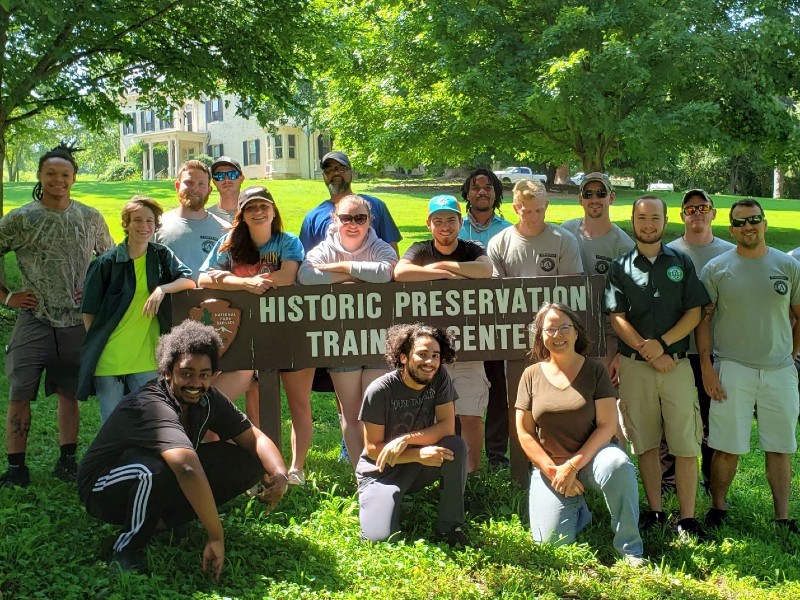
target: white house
211 126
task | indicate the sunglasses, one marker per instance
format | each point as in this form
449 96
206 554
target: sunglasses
752 219
554 331
359 219
332 170
703 209
588 194
223 174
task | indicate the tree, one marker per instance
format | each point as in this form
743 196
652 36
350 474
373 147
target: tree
80 58
557 80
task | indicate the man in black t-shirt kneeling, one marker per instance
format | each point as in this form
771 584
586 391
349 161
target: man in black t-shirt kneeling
147 468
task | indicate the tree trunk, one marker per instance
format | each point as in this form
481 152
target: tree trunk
2 160
777 183
562 175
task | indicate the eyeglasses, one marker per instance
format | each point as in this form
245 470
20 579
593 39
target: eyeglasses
337 169
562 329
221 175
703 209
752 219
359 219
588 194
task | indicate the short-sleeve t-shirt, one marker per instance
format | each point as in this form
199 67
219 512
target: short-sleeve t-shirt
754 297
552 252
425 253
597 254
191 240
280 247
400 409
564 418
150 419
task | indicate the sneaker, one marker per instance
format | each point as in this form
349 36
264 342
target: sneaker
498 462
296 477
637 562
66 469
455 538
789 525
129 561
715 517
16 476
652 519
691 527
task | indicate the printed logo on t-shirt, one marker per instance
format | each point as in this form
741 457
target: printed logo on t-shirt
547 262
781 287
675 274
208 243
601 267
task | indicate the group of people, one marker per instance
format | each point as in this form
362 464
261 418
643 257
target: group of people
689 357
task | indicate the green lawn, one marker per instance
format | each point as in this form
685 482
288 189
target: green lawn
309 546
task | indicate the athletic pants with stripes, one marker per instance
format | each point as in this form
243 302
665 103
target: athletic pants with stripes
141 489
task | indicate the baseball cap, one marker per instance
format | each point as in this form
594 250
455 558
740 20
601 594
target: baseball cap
597 176
443 202
697 192
226 160
254 192
339 157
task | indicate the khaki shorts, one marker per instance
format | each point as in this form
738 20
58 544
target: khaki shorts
657 404
37 347
772 393
469 379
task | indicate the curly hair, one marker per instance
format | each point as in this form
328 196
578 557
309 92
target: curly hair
190 337
493 179
400 340
137 202
538 351
64 151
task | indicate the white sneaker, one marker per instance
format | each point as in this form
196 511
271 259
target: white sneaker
296 477
637 562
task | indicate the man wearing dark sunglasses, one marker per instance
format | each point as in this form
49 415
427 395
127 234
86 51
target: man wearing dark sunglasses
700 244
755 296
227 176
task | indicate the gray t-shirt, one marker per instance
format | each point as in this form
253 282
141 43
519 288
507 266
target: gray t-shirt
598 253
754 297
190 240
553 252
400 409
794 253
700 255
225 215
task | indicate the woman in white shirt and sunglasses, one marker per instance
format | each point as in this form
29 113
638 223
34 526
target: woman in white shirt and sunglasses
352 252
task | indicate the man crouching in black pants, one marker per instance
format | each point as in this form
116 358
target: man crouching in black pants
147 468
409 436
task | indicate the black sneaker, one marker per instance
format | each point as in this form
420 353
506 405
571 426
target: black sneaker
16 476
497 462
66 469
715 517
652 519
129 561
691 527
454 538
789 525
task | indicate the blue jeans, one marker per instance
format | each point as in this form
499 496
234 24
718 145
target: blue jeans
557 519
113 388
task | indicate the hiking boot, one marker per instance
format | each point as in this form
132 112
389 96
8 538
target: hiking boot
66 469
789 525
455 538
691 527
16 476
296 477
652 519
715 517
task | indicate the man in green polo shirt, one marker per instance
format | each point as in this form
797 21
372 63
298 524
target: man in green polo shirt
654 300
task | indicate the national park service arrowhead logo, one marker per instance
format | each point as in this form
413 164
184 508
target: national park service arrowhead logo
220 315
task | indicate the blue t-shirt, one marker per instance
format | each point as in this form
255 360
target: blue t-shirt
280 247
469 232
315 225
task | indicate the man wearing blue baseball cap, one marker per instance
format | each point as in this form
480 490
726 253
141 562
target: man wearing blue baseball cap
448 257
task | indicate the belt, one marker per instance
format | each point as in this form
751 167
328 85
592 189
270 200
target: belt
637 356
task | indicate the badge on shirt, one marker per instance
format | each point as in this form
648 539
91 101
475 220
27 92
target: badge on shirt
675 274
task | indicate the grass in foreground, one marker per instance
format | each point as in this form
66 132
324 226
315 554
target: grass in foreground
309 546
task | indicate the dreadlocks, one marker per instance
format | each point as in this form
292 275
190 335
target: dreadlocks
61 151
496 184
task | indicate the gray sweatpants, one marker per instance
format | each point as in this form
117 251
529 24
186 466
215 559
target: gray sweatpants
380 494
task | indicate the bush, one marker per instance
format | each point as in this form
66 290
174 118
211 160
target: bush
205 159
120 171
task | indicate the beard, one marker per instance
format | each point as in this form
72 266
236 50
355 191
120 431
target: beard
338 185
192 202
650 238
418 376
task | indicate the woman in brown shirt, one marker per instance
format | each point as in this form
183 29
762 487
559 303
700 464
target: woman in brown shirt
566 417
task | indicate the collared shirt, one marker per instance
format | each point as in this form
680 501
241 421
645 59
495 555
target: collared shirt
107 293
150 419
483 235
654 296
